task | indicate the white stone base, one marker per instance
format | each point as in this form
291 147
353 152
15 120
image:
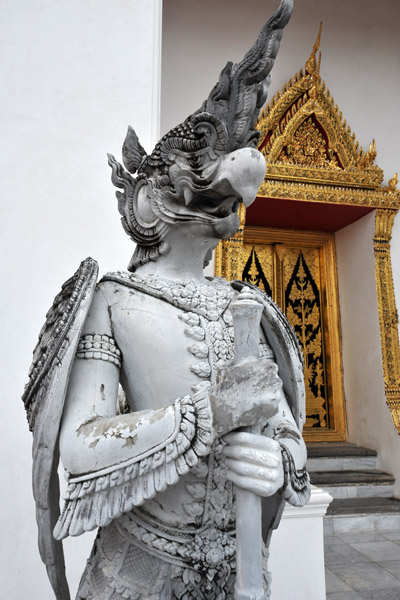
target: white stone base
297 551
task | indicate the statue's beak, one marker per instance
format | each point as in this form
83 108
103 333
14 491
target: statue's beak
240 174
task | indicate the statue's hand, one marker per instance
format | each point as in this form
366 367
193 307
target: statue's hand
244 395
254 463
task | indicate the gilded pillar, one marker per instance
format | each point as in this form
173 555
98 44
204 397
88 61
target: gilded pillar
388 315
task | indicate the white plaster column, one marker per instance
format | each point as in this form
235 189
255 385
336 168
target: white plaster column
297 551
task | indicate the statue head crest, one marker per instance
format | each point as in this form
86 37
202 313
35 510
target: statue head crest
133 152
195 172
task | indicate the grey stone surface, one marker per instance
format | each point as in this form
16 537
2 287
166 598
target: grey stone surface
342 554
393 566
363 496
378 551
393 594
334 583
354 506
368 578
339 463
362 514
365 576
391 535
328 527
364 490
355 484
343 596
382 578
362 522
354 538
338 449
351 477
332 540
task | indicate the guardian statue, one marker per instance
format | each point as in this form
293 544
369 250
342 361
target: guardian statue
162 404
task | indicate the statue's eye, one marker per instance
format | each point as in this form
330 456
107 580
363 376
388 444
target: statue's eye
195 161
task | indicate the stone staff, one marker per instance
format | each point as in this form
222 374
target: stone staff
246 313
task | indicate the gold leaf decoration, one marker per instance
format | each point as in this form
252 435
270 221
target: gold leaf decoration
254 273
308 148
303 310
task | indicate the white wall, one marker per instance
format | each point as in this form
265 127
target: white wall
369 419
73 75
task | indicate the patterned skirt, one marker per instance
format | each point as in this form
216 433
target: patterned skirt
133 563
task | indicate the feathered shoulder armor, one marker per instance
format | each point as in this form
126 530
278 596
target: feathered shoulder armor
44 398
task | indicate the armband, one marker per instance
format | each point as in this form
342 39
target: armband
296 489
100 347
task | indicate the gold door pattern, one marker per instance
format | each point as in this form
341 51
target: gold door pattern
297 269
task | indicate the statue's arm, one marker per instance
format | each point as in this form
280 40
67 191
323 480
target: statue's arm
115 462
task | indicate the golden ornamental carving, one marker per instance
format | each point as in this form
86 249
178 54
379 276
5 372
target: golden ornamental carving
328 194
258 269
303 310
392 183
228 257
388 315
296 271
368 158
308 148
304 118
313 156
312 65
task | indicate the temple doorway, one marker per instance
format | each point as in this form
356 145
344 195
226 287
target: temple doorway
318 181
298 270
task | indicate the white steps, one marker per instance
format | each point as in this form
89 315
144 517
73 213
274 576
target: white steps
355 484
363 496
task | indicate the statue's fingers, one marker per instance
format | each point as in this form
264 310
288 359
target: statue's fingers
253 471
258 487
256 456
243 438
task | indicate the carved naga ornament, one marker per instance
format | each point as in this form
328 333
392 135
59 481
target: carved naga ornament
155 470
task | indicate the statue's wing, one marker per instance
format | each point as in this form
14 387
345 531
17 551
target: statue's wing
44 397
283 341
242 88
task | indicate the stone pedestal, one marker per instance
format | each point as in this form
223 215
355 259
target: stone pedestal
297 551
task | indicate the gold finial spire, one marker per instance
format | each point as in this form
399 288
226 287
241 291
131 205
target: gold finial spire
312 66
392 183
368 158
